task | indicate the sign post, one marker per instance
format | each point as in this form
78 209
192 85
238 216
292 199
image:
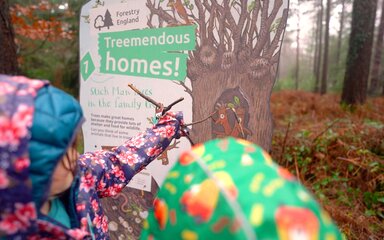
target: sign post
220 56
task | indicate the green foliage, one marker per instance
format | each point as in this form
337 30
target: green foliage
251 6
48 57
373 200
338 172
188 4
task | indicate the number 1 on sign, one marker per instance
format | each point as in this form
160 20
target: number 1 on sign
86 66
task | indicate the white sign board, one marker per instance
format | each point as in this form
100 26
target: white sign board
117 48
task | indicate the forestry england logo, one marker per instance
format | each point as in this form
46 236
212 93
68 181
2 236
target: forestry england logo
103 21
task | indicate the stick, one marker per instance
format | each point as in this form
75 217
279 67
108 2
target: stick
238 122
297 170
352 160
189 139
172 104
158 105
284 143
202 120
330 126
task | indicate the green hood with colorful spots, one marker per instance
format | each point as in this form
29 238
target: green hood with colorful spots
231 189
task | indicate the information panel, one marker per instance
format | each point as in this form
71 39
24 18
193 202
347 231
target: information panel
220 56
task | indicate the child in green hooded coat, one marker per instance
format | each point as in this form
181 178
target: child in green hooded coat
231 189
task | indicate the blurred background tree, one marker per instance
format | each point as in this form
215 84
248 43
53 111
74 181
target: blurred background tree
46 35
8 57
310 18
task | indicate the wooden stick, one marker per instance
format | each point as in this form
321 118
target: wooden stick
238 121
330 126
172 104
158 105
202 120
284 143
297 170
189 139
352 160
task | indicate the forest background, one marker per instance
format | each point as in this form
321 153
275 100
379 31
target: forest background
327 104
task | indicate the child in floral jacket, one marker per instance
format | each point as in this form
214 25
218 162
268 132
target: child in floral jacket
46 189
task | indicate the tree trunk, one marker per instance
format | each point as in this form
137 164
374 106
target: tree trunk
340 34
297 69
324 78
219 81
318 67
382 80
316 43
8 57
375 75
359 52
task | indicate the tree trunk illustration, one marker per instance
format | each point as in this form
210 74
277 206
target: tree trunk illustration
238 46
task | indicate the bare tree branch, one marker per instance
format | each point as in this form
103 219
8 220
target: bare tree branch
279 32
253 27
160 12
186 88
201 22
211 25
266 22
238 30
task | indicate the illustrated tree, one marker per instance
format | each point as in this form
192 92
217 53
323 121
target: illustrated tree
8 57
99 22
238 47
107 19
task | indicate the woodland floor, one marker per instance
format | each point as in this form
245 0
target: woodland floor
338 154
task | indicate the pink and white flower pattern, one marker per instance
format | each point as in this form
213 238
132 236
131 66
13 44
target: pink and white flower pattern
87 182
4 181
121 164
153 151
21 163
101 173
166 132
129 158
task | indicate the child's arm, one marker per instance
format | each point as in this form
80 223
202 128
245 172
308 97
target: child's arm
109 171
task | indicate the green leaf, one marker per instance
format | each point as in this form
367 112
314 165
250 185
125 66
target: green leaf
237 100
231 105
275 25
252 6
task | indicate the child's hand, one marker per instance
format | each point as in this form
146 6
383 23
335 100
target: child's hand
169 117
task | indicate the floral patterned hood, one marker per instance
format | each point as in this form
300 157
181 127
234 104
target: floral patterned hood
231 189
18 214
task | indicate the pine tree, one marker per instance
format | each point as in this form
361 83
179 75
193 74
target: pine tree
107 19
